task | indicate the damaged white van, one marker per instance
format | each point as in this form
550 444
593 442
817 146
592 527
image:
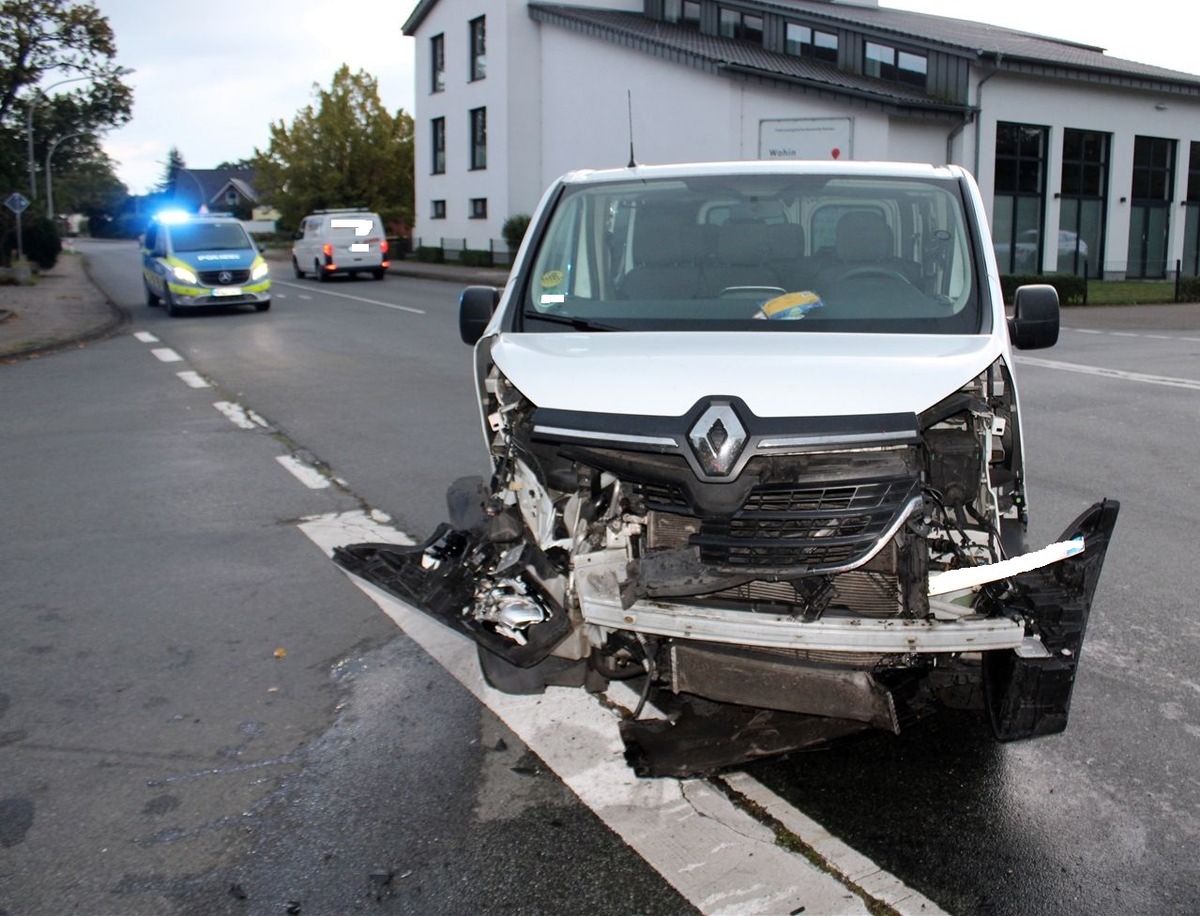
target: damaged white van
757 444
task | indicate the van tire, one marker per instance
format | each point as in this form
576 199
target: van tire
296 269
262 306
321 275
151 298
169 301
378 273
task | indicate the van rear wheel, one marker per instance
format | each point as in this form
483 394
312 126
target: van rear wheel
296 269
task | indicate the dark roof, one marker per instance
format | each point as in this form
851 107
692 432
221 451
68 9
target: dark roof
413 22
724 55
213 182
976 38
1001 47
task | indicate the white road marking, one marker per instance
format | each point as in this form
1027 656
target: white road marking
854 866
306 474
239 416
146 337
386 305
1168 381
711 851
1137 334
167 355
193 379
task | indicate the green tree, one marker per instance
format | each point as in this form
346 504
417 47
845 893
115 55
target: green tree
54 41
174 163
87 183
345 150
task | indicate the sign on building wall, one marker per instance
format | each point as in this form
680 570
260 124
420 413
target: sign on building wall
805 138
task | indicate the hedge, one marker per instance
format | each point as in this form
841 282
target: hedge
474 258
1072 290
1189 289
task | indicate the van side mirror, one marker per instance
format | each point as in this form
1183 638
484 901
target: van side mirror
1034 324
475 307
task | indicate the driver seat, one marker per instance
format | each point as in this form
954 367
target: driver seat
864 240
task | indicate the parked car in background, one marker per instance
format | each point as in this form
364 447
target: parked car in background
192 260
1027 251
348 241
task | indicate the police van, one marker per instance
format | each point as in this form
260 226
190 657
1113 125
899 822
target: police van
191 260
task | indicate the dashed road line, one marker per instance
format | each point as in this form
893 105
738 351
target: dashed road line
240 417
306 474
193 379
166 355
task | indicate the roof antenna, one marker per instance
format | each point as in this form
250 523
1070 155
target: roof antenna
629 96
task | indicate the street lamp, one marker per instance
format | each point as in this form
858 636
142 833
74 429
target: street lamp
200 204
49 184
120 71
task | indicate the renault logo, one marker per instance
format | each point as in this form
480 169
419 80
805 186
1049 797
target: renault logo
224 276
717 439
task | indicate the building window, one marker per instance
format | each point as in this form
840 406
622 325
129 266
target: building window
1020 197
801 41
1083 202
1191 223
437 209
438 132
683 12
478 138
1150 202
741 26
478 208
437 63
887 63
478 44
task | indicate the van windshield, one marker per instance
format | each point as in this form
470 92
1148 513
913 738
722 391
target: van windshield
209 237
757 253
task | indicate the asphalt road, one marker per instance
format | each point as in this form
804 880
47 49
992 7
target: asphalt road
157 757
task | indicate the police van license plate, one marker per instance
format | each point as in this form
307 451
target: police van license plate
227 291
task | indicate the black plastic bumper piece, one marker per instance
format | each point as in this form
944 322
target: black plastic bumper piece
1031 697
438 577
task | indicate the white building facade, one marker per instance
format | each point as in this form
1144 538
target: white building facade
1089 165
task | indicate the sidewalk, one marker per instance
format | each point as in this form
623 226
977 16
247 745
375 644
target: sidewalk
63 309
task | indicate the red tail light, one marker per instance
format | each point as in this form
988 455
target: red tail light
383 247
327 250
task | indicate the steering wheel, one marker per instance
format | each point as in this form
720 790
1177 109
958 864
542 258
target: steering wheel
856 273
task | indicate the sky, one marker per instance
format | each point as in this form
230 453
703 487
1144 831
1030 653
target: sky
212 75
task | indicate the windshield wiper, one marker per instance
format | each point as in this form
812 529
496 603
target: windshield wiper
579 324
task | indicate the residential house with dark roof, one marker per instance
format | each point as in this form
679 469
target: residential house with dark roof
1088 164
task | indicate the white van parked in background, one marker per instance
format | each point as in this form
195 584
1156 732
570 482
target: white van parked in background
340 241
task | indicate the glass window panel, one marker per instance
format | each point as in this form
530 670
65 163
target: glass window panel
1002 232
797 37
1091 235
1191 241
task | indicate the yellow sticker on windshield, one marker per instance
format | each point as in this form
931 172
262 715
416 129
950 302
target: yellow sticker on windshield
552 278
790 305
